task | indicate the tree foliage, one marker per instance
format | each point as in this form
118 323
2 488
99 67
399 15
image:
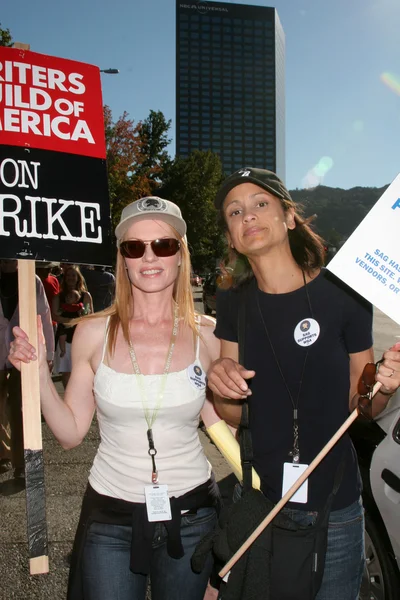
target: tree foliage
153 133
136 157
338 212
127 181
5 37
192 183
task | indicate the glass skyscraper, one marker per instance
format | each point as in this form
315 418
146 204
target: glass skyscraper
230 84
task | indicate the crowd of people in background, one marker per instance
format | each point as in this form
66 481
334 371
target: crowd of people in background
64 292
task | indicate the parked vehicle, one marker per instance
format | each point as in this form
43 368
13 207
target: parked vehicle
378 449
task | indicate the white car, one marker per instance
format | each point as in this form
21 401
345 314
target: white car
378 449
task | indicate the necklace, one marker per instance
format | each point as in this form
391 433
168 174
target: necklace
149 415
295 452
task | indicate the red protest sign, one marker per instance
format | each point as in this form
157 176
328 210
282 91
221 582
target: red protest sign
50 103
53 177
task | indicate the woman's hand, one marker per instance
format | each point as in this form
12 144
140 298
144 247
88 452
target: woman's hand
227 379
388 373
22 351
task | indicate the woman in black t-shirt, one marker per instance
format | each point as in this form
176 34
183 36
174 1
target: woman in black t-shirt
307 340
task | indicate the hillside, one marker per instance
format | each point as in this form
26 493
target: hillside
338 211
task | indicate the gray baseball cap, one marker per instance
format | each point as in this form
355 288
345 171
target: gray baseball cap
151 207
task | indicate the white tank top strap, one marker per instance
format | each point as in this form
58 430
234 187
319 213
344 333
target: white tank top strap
105 339
198 323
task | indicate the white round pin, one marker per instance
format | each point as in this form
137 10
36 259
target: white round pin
197 376
306 332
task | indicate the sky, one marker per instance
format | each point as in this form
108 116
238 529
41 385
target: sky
342 73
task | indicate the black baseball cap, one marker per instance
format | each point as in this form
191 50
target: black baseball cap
265 179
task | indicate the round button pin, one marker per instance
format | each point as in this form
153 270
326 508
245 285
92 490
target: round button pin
197 376
306 332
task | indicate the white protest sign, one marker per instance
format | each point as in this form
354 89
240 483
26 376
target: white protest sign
369 261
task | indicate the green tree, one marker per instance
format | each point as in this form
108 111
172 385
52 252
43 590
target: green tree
192 183
334 238
153 133
5 37
136 157
126 180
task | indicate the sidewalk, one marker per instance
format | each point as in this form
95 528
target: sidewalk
66 473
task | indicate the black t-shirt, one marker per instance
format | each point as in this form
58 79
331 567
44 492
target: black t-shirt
345 321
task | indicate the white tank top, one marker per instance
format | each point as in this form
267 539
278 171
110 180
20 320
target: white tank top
122 466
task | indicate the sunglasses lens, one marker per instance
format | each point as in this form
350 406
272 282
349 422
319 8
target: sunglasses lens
132 248
161 248
165 247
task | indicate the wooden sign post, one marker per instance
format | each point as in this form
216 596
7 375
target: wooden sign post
33 448
54 206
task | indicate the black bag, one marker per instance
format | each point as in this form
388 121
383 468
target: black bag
286 562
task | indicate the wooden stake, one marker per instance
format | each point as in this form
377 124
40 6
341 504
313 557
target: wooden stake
265 522
21 46
33 448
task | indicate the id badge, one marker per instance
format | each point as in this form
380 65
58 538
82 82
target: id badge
291 473
157 503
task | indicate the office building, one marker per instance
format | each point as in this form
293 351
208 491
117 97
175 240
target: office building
230 88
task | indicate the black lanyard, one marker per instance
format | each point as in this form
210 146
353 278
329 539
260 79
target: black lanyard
295 452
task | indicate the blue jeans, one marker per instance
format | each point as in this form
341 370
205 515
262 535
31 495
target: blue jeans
106 558
344 562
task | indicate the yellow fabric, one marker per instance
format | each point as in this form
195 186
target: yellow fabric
227 444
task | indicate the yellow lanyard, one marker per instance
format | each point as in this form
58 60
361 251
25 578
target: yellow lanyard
151 416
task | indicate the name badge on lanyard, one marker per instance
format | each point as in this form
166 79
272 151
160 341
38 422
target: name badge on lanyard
158 504
291 473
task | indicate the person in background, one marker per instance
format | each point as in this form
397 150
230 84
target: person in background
72 309
307 339
62 267
141 364
11 397
100 284
50 283
73 287
5 431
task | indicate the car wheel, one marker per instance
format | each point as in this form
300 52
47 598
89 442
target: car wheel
380 581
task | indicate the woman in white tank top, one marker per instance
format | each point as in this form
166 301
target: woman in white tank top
141 365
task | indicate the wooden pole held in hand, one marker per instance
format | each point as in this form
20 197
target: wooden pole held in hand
33 448
265 522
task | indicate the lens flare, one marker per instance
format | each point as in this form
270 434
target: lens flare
392 82
315 176
358 126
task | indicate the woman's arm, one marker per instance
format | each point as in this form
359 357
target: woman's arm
227 380
388 375
87 299
56 311
68 419
43 309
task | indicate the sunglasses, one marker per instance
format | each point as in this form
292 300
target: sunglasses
161 248
366 388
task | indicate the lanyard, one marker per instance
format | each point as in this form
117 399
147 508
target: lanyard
295 452
151 416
